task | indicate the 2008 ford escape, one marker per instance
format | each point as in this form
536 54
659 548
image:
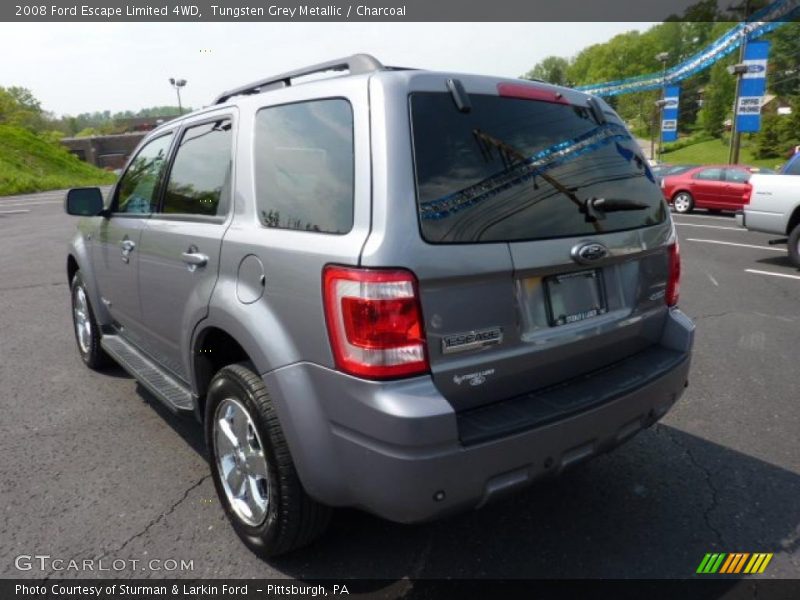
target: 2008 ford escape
399 290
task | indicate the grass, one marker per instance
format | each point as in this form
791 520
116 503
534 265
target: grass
29 163
716 152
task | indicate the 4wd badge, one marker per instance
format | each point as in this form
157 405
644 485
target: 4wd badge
472 340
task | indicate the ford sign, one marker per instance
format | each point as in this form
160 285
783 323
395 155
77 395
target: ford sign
588 252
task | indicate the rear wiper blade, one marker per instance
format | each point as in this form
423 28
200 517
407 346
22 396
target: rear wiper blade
595 208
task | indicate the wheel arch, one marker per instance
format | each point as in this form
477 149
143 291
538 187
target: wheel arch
794 220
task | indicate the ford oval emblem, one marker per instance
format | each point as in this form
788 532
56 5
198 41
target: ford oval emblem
589 252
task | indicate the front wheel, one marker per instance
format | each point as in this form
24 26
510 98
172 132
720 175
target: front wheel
252 468
794 246
87 331
683 202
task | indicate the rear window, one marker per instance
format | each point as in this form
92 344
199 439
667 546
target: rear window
517 169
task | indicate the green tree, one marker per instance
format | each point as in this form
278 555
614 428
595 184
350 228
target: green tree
718 99
552 69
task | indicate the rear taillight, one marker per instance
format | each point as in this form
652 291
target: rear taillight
748 190
374 322
674 277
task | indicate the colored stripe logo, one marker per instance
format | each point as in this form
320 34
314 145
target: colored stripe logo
733 563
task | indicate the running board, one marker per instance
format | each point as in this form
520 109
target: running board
175 395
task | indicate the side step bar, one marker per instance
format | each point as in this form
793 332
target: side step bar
174 394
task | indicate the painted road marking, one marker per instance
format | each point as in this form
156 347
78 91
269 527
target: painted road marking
735 244
714 281
31 203
711 226
13 212
757 272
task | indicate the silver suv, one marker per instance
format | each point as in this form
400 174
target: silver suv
399 290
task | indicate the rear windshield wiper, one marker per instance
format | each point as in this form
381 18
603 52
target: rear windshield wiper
509 155
595 208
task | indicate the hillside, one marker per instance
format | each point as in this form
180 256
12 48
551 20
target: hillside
29 163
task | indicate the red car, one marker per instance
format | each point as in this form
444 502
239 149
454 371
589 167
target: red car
715 187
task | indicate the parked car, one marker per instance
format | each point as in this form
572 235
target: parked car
775 207
715 187
403 291
661 171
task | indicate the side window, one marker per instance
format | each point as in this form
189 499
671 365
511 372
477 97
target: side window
304 166
137 188
200 178
709 174
737 175
793 168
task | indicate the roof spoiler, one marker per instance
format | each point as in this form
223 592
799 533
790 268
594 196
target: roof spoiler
355 64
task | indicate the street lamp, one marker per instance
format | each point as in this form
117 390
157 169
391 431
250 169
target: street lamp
662 57
178 84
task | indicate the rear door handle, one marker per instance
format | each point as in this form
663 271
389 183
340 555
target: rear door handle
194 259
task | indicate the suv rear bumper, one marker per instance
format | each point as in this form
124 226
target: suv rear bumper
395 448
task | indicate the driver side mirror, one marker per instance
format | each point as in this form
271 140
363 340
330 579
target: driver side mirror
84 202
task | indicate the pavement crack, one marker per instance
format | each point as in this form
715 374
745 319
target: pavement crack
155 521
712 506
714 315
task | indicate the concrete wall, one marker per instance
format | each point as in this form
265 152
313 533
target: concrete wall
104 151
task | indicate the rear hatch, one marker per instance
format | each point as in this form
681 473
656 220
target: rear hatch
563 189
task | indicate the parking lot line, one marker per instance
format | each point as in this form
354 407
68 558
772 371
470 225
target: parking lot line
757 272
710 226
735 244
13 212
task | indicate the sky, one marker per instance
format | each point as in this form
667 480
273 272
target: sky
74 68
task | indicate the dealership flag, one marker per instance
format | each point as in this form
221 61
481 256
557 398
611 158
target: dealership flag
752 87
669 116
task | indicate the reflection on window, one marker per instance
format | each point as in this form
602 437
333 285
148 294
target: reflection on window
304 166
518 169
137 187
200 179
710 174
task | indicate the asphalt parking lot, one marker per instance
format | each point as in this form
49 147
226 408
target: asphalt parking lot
92 468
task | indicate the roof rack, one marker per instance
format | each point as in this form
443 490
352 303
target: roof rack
356 64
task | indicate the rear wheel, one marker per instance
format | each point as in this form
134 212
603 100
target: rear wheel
87 331
252 469
683 202
794 246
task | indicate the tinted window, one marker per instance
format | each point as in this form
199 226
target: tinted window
737 175
200 179
304 166
514 169
793 168
709 174
136 192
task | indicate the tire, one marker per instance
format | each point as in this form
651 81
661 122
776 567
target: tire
252 468
683 202
85 327
794 246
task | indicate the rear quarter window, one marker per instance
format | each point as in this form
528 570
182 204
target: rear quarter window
304 166
500 171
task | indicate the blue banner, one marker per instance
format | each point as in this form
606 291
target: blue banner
669 114
762 22
752 86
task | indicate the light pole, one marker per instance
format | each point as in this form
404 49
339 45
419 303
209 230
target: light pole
737 71
662 57
178 84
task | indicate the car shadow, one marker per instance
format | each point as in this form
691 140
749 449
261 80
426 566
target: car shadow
186 426
778 261
651 509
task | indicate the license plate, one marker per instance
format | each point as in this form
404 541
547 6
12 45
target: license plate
574 297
